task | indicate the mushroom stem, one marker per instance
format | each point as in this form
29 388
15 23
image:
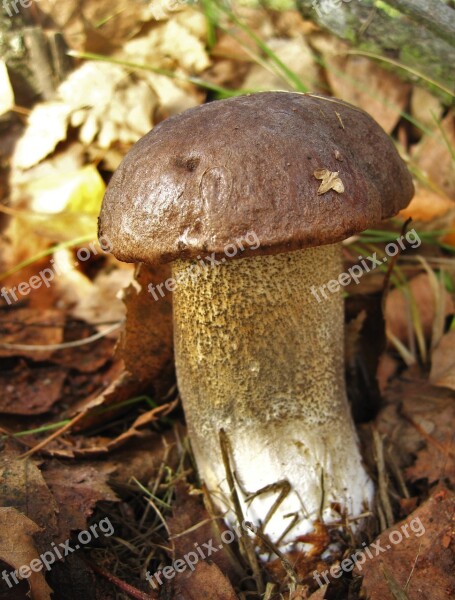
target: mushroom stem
260 357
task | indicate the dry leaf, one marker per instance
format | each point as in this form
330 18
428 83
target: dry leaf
362 82
30 391
433 156
103 445
330 181
423 564
192 524
76 488
146 343
6 91
397 307
425 108
23 487
202 583
30 327
293 52
426 205
443 362
417 423
17 549
46 127
108 103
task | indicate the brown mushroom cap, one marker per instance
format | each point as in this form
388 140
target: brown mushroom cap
205 178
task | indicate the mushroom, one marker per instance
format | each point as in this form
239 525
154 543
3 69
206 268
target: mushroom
249 199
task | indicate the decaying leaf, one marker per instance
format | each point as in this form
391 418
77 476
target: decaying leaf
330 181
23 487
192 524
146 343
30 391
76 488
416 556
17 549
417 423
202 583
25 327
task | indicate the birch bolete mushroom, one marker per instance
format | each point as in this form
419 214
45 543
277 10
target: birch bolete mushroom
257 355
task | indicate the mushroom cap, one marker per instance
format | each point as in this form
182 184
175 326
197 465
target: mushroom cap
207 177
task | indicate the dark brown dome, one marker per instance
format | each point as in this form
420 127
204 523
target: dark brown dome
205 178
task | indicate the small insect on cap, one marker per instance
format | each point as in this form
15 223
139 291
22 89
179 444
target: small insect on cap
299 170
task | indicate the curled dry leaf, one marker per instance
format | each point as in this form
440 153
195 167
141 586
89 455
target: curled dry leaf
330 181
17 548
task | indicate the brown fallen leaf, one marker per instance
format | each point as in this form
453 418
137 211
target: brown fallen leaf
384 97
191 524
426 206
434 158
146 342
30 391
23 487
206 582
319 594
417 562
397 312
104 445
18 549
142 457
443 362
417 422
30 327
436 461
76 488
295 52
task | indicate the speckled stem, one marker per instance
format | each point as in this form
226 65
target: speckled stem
259 356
